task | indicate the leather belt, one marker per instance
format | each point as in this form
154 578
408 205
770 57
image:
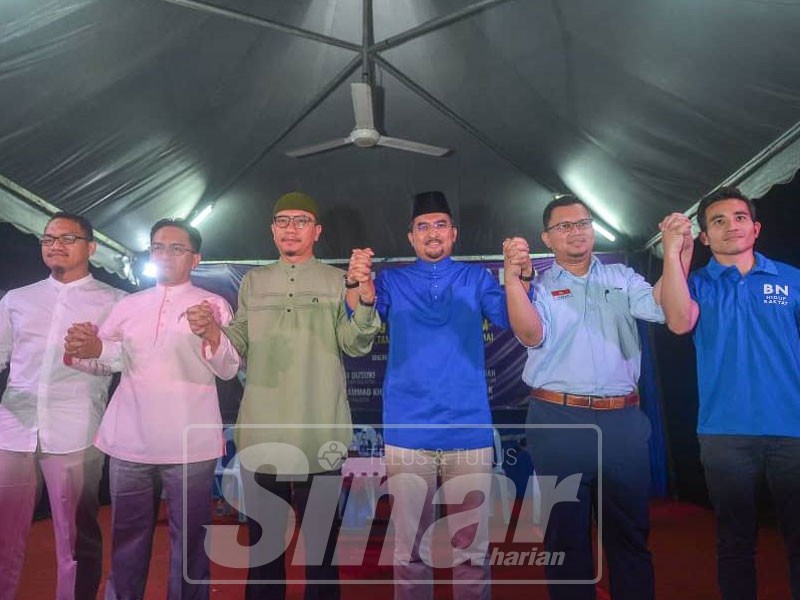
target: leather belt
591 402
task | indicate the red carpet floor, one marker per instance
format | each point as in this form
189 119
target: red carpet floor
682 543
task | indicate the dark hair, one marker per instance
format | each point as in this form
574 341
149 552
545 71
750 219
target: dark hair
562 200
194 236
80 221
723 193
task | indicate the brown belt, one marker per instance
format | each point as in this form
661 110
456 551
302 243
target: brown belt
592 402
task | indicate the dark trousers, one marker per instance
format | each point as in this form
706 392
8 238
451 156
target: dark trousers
736 467
296 493
614 485
135 497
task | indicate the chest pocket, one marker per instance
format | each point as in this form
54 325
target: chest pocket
300 300
313 300
615 299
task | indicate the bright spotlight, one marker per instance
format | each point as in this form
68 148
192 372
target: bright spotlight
150 270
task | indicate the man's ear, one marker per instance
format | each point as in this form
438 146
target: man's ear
546 239
703 238
92 247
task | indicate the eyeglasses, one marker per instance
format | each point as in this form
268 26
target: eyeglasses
299 221
171 250
567 226
438 226
66 239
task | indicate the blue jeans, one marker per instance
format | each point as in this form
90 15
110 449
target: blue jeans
135 497
735 467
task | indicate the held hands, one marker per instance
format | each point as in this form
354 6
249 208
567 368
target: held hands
676 230
82 341
203 323
516 259
360 271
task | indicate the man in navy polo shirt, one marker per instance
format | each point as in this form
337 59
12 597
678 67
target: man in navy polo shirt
744 311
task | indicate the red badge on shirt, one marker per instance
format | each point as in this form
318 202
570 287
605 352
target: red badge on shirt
561 294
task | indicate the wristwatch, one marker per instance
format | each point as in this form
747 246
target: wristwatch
350 285
362 303
528 278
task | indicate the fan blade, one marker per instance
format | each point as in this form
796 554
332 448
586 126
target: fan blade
362 105
410 146
316 148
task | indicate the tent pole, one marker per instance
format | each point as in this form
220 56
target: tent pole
434 24
236 15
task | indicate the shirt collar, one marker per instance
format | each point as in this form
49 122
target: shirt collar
433 267
301 266
63 286
762 264
558 271
174 289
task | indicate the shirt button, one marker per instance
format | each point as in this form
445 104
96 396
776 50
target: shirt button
290 294
288 310
292 279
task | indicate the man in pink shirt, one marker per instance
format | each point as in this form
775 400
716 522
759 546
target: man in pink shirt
162 429
49 413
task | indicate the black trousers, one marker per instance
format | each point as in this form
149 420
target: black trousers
274 525
614 487
736 466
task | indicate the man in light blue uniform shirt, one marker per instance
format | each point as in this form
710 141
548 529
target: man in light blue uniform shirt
744 311
584 357
436 378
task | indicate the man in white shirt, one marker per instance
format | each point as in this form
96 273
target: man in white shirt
162 429
49 413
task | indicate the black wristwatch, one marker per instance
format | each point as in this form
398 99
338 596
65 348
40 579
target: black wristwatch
349 285
362 303
527 278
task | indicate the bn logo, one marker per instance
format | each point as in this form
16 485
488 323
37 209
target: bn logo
778 290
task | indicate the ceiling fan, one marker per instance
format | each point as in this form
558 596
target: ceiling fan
365 134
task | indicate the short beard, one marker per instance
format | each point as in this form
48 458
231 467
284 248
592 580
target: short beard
439 254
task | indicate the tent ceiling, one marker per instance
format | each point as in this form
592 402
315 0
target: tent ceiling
133 110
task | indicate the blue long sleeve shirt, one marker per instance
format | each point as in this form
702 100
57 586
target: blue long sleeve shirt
435 375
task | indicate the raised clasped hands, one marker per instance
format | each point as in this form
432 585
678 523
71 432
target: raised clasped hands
676 235
360 271
516 258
